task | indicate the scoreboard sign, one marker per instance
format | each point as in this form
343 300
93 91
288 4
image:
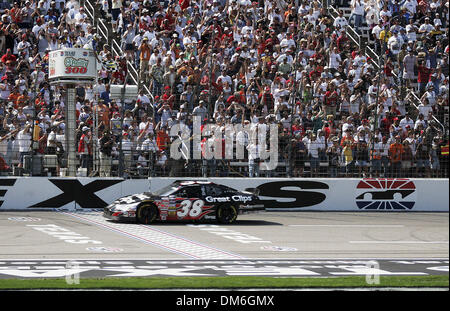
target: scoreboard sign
72 65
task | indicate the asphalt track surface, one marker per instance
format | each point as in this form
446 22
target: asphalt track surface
58 243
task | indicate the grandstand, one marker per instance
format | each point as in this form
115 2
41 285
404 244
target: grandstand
351 95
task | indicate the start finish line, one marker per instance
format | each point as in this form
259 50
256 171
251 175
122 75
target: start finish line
193 268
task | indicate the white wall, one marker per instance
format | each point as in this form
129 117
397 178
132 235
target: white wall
341 194
29 193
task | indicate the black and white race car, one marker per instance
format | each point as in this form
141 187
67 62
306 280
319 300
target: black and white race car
185 200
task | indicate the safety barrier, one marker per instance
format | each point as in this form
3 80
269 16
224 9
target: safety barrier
277 194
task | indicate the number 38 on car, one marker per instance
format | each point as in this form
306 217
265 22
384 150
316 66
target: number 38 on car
185 200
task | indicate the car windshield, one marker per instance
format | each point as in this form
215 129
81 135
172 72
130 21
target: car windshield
167 190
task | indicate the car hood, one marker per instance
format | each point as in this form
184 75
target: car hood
135 198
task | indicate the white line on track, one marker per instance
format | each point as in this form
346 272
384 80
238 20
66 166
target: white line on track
398 242
351 226
157 237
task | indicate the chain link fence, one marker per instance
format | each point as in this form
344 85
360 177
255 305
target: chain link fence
132 149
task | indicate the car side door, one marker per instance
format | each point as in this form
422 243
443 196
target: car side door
191 205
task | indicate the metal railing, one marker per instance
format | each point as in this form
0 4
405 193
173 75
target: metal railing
414 100
103 31
89 8
349 30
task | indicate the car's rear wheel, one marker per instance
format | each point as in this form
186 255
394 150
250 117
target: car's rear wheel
146 213
226 214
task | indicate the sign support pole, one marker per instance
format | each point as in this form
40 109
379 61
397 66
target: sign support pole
70 131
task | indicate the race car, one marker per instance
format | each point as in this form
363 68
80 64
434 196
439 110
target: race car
185 200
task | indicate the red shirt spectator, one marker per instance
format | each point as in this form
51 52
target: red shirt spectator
331 97
162 140
423 74
8 57
341 41
184 4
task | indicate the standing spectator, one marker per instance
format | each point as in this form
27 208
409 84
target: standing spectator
340 20
425 108
395 156
85 148
127 152
357 14
313 147
409 63
444 156
102 112
106 146
347 155
156 75
376 151
406 123
116 8
144 55
127 41
423 76
24 141
407 159
426 27
422 157
201 111
362 158
331 99
334 154
162 137
300 152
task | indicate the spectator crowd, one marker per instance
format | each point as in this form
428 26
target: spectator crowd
288 63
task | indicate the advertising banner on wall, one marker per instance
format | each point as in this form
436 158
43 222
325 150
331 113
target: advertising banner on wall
383 194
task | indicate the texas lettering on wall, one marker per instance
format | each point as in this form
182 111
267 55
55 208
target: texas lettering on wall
297 193
74 191
278 189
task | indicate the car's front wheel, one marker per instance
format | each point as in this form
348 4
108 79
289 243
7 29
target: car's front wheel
146 213
226 214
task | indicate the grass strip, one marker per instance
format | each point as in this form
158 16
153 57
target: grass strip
232 282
